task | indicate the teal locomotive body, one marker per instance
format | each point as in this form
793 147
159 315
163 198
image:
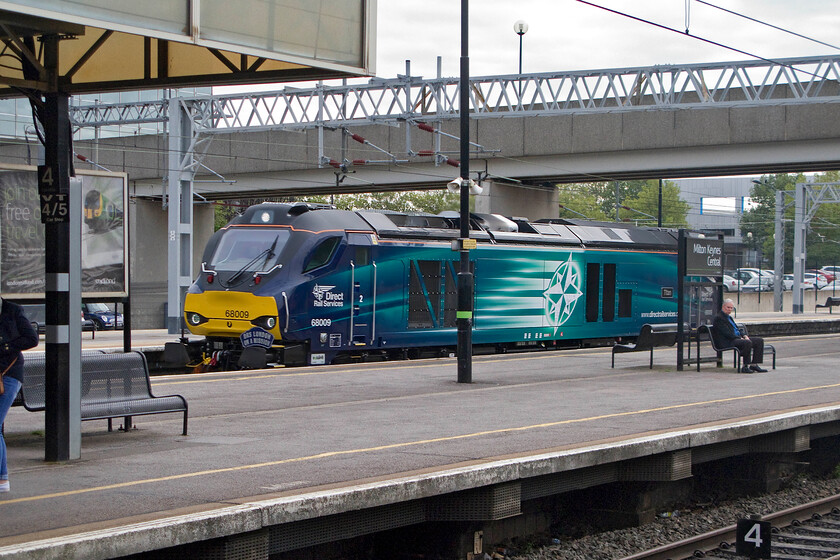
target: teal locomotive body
329 284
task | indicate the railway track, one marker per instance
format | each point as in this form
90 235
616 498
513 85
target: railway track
805 532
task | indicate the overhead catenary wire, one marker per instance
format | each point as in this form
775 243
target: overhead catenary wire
782 29
697 37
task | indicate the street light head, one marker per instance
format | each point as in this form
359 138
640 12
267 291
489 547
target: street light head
520 27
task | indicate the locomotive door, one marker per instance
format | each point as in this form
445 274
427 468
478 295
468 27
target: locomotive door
363 298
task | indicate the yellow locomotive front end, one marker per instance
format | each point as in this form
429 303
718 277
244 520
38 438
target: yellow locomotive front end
228 313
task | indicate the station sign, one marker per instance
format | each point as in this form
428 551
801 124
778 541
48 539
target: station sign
54 209
703 256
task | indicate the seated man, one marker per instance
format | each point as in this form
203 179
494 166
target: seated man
726 335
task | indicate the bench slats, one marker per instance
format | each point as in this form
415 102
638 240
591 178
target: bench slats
113 385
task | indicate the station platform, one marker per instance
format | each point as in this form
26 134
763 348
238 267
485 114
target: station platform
272 450
769 323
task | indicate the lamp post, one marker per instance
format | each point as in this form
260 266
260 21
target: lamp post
520 28
465 277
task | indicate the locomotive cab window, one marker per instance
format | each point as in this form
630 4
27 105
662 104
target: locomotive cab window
249 249
362 256
322 254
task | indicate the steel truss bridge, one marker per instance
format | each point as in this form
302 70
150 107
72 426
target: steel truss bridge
805 80
422 101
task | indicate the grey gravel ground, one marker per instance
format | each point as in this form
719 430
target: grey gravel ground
683 524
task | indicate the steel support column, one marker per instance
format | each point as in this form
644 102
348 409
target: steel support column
63 255
179 195
799 248
779 251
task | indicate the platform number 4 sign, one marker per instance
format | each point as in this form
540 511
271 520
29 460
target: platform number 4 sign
753 538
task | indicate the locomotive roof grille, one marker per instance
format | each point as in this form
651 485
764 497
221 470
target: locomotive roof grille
446 225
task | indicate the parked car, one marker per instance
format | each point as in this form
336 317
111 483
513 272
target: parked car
817 279
743 274
754 279
830 272
37 315
730 284
787 282
102 316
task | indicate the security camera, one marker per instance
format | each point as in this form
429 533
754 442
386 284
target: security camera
454 185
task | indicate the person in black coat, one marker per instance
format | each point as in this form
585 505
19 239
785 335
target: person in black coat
727 335
16 335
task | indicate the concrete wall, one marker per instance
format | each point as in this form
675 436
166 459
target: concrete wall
510 200
749 303
148 257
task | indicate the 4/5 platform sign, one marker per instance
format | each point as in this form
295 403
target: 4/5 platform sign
54 203
54 209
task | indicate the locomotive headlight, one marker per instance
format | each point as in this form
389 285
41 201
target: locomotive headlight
267 322
195 319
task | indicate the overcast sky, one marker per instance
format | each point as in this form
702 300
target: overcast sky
570 35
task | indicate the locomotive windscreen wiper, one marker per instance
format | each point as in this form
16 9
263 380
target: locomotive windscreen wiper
267 253
270 253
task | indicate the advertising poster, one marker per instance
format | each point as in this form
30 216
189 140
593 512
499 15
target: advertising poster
103 230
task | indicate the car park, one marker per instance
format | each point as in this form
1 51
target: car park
102 316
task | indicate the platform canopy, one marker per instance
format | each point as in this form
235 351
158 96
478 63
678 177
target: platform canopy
112 45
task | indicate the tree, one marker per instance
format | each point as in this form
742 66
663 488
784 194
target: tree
823 241
674 209
823 231
598 201
580 205
758 223
432 202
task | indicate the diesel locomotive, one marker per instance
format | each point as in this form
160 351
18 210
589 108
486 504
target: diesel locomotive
315 285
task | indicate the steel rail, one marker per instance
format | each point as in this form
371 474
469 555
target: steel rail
686 548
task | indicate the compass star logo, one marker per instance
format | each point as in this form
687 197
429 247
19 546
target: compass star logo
562 293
